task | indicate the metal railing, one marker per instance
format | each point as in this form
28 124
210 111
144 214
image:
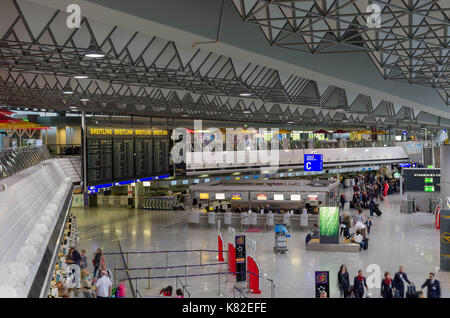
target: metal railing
14 160
241 293
218 274
185 290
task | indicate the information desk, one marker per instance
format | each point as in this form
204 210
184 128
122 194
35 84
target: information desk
252 220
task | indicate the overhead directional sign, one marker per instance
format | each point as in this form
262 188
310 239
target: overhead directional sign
313 162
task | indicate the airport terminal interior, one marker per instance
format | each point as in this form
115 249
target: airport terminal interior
224 149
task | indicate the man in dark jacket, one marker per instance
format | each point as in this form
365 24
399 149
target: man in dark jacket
433 287
358 285
399 277
74 259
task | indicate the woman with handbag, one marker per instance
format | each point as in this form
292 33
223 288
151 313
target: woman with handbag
344 281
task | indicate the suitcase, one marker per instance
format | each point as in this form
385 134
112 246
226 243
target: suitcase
411 292
366 243
352 205
378 212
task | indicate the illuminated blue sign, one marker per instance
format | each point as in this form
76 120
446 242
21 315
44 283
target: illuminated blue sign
313 162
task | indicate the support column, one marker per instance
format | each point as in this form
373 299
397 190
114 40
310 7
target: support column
136 195
84 147
445 208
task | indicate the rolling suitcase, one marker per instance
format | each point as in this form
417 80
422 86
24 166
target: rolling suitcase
352 205
366 243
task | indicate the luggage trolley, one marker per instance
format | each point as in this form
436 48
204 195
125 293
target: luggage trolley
281 239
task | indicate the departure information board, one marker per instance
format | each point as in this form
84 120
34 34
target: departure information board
422 179
121 154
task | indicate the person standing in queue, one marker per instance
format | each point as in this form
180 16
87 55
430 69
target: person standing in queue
358 285
98 256
344 281
399 277
238 209
104 285
387 286
74 259
342 200
433 287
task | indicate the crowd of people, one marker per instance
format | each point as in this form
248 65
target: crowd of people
390 288
101 287
369 189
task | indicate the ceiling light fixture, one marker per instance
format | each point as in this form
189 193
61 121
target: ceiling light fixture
68 89
246 112
81 76
85 100
93 50
245 94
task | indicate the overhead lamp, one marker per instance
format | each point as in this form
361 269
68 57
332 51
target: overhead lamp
85 100
245 94
82 76
246 112
184 115
68 89
93 51
290 122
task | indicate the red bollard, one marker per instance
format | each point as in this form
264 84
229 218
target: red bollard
253 276
220 248
231 258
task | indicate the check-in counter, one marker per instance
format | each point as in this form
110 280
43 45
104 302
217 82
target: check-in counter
252 220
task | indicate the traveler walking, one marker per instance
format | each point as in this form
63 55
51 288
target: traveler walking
399 277
433 287
387 286
358 285
344 281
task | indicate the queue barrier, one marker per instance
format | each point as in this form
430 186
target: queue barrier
250 274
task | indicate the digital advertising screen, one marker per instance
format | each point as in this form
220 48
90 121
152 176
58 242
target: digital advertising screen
296 197
278 197
236 196
220 196
204 196
329 225
261 197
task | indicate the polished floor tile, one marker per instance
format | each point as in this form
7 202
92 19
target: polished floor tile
396 238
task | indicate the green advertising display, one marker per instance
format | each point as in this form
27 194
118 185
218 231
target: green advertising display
329 225
428 180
